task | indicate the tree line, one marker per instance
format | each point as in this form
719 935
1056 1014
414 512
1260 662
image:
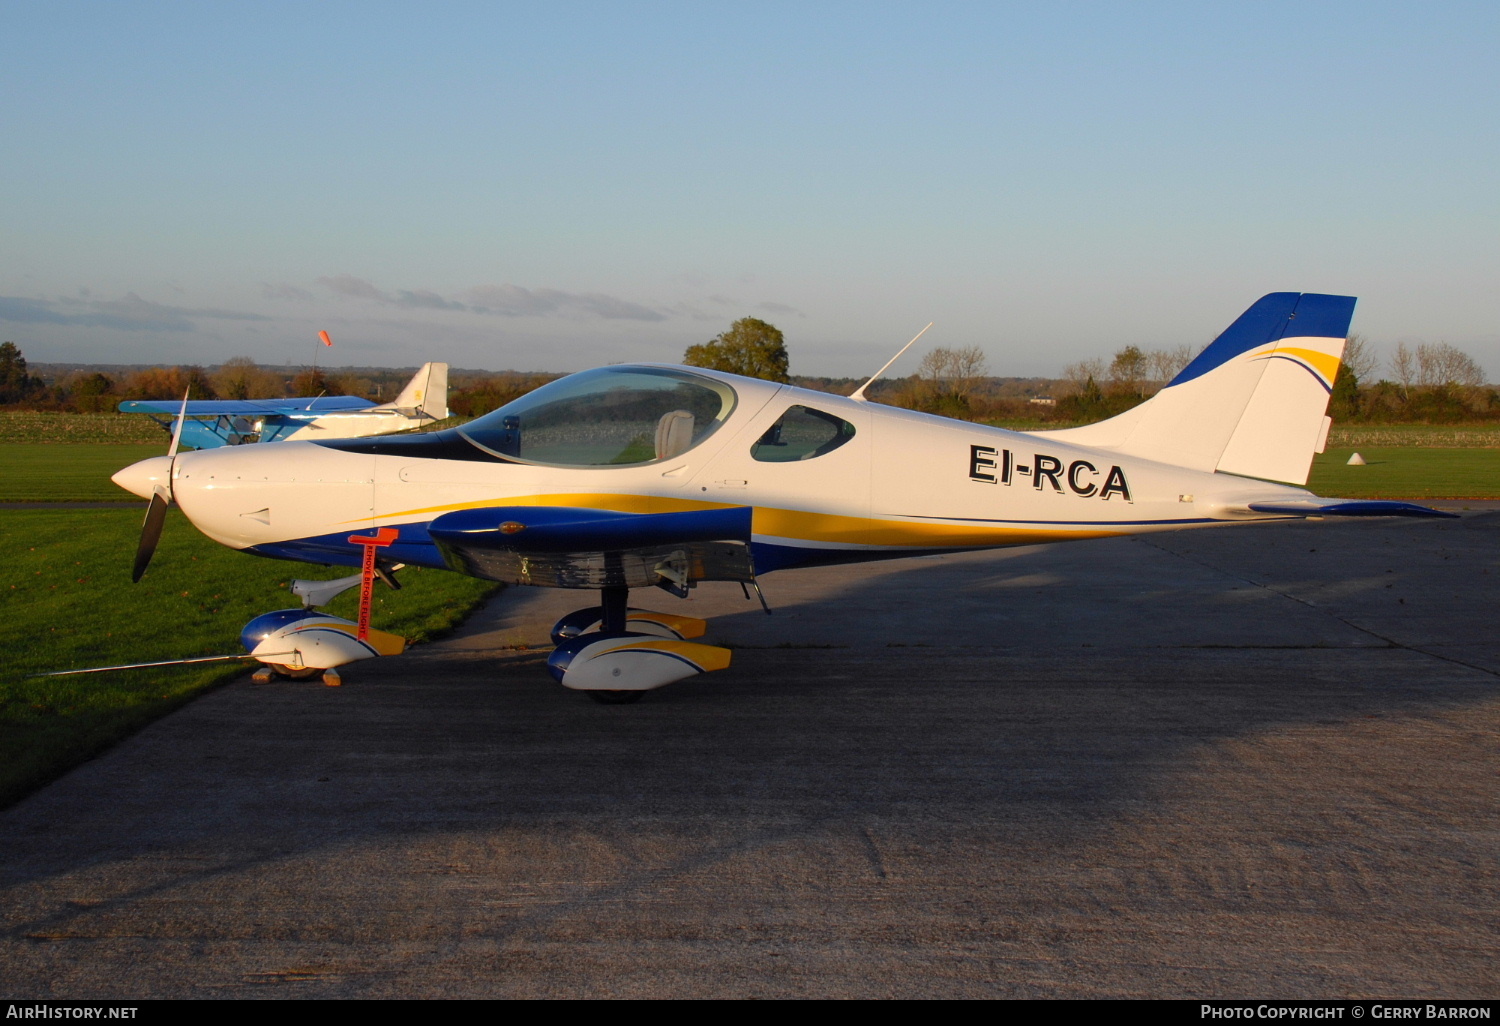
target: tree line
93 391
90 391
1426 382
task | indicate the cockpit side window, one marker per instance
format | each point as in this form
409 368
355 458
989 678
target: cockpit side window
613 416
802 433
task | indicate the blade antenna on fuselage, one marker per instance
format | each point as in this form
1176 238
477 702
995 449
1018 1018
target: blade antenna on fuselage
859 393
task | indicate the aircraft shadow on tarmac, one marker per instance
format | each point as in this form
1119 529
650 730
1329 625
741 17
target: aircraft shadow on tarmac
976 706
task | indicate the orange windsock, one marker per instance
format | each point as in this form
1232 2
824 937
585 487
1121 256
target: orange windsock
324 336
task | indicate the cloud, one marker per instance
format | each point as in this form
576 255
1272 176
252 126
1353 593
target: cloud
427 300
216 314
130 313
697 313
515 301
284 291
780 308
607 307
499 300
355 288
30 311
510 301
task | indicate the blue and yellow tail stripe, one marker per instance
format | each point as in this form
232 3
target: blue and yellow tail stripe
1322 366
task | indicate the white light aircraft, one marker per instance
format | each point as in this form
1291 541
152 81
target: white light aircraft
210 423
647 476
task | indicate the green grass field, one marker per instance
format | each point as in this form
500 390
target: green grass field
66 602
36 472
1484 435
80 428
1408 473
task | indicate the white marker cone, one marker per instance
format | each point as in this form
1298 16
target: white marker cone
1356 460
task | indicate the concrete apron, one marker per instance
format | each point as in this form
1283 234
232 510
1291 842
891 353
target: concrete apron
1239 762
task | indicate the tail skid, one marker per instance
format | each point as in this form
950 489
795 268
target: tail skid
1252 404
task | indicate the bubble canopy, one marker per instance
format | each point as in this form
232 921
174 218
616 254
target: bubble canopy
609 417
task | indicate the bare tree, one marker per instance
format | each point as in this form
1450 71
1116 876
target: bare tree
1078 375
955 371
1359 357
1439 365
1404 367
1162 365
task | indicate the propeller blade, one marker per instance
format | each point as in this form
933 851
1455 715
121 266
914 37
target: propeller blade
161 498
156 516
177 428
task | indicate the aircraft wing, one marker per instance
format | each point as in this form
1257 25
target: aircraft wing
250 407
566 547
1317 507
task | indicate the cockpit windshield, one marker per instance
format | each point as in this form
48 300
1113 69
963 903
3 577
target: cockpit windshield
613 416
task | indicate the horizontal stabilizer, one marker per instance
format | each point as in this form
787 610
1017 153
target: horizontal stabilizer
1347 508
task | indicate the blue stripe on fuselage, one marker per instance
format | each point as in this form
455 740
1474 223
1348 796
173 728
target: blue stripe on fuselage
416 547
412 545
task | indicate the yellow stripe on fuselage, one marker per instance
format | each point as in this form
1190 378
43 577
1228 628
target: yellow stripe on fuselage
794 525
618 503
830 527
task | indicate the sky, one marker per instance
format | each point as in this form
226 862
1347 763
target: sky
557 186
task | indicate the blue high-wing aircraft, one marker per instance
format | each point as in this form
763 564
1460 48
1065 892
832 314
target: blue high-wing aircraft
210 423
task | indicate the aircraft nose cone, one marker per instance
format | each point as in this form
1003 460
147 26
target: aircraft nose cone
143 478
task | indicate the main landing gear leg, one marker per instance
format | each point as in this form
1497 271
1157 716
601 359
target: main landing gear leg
614 603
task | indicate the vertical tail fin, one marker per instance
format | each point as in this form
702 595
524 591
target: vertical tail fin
426 393
1253 403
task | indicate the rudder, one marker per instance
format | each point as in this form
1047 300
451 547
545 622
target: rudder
1253 403
426 393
